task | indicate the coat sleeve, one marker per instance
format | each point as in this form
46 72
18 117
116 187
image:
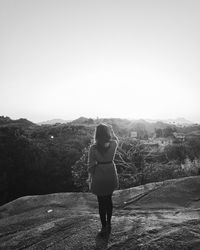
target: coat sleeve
91 160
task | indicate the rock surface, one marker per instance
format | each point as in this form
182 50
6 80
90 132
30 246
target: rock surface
164 215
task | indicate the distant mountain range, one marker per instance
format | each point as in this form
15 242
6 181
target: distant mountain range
53 121
180 120
84 120
177 121
80 120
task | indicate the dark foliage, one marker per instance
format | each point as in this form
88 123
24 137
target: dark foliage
39 160
53 158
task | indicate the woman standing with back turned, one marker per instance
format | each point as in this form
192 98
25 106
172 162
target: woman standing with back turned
103 173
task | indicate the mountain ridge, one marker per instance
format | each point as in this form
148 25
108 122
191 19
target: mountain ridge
5 120
82 119
53 121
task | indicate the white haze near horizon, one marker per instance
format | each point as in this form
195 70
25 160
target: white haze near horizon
105 58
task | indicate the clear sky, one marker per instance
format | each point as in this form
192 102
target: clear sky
105 58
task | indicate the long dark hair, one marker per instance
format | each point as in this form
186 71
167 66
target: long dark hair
102 136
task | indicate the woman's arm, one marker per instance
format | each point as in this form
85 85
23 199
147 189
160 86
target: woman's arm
91 160
113 135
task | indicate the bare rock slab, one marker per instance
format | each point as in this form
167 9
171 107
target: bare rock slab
164 215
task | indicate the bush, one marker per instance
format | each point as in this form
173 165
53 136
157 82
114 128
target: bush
160 172
80 173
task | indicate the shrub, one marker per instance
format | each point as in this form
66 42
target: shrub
160 172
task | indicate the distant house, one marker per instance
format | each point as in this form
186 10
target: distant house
163 141
179 137
133 134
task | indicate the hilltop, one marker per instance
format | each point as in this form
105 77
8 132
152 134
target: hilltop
163 215
22 122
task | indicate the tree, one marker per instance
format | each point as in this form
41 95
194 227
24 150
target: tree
79 171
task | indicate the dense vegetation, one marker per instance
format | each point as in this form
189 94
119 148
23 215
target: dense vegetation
53 158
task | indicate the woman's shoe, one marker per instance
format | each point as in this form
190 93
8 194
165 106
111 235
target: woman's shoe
108 228
103 231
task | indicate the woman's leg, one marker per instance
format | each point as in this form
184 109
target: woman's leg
102 209
109 208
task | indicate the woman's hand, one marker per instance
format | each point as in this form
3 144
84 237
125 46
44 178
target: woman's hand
89 179
111 130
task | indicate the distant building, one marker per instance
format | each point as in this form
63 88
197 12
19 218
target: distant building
179 137
163 141
133 134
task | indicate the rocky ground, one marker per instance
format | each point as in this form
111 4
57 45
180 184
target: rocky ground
164 215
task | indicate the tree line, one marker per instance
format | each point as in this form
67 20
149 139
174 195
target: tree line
53 158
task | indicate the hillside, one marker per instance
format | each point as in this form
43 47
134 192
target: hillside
5 120
164 215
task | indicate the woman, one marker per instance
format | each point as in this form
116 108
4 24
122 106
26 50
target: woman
103 173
